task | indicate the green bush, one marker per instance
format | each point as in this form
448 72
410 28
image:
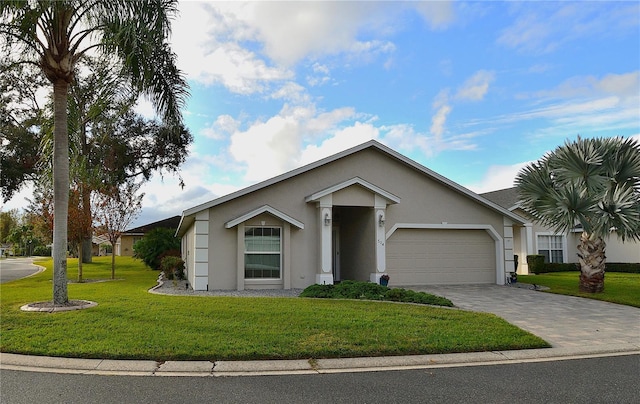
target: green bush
536 263
153 246
628 267
318 291
42 251
558 267
173 267
372 291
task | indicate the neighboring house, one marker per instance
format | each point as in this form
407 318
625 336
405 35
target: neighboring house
556 247
124 245
355 215
6 249
98 245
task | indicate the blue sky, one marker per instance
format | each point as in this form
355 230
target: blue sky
472 90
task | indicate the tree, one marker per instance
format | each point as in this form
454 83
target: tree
53 35
78 225
592 183
155 245
115 209
8 221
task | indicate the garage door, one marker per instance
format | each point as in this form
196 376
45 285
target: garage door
431 257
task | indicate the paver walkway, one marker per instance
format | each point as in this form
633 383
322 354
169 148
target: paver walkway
563 321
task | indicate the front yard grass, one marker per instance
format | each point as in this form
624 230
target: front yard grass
619 287
130 323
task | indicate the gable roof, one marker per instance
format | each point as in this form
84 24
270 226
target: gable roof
170 223
353 181
372 144
268 209
507 198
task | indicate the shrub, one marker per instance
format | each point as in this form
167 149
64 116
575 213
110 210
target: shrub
173 267
372 291
628 267
558 267
536 263
154 244
42 251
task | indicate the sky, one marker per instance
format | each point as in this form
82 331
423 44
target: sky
472 90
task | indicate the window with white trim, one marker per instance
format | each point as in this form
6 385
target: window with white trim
262 252
552 247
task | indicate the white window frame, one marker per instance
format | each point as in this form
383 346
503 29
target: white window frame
279 252
564 244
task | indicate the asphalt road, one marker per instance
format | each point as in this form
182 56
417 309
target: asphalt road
16 268
595 380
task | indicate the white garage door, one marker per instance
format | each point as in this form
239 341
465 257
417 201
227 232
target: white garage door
431 257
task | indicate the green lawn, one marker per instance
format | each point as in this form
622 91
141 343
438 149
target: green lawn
130 323
621 288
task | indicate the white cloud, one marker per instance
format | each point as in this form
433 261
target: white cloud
438 14
342 139
540 27
439 120
497 177
476 87
221 128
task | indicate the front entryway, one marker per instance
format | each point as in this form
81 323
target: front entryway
353 242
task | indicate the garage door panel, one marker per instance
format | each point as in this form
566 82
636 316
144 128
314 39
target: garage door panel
435 256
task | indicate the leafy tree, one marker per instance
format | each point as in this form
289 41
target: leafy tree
21 121
79 225
54 35
114 211
8 221
593 183
156 244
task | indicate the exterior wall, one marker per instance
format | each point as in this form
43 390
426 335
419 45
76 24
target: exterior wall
126 243
617 251
423 200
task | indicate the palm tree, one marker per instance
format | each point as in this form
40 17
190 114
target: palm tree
589 183
54 34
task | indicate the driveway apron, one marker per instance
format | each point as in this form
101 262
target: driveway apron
563 321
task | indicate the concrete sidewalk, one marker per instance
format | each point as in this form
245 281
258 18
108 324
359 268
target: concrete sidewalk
575 327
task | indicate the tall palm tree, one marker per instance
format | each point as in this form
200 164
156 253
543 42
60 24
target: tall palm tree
55 34
593 183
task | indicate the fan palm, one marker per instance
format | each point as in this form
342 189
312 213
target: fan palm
592 184
54 34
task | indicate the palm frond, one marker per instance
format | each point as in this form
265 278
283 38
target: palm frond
593 182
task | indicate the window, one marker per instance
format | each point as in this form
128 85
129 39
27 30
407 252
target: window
551 247
262 252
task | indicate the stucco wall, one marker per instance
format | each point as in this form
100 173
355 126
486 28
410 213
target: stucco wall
423 200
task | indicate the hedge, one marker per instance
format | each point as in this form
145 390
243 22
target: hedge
628 267
538 266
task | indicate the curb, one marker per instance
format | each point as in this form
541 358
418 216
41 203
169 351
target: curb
48 364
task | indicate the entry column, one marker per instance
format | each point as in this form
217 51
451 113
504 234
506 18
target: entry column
325 217
380 213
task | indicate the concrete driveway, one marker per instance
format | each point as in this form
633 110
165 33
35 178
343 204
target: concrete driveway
563 321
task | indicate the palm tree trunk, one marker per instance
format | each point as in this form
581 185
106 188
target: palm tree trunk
592 263
60 192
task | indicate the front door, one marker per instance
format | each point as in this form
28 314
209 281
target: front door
335 241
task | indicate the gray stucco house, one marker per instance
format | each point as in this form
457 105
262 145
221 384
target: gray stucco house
355 215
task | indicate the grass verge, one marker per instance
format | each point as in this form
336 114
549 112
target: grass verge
130 323
621 288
